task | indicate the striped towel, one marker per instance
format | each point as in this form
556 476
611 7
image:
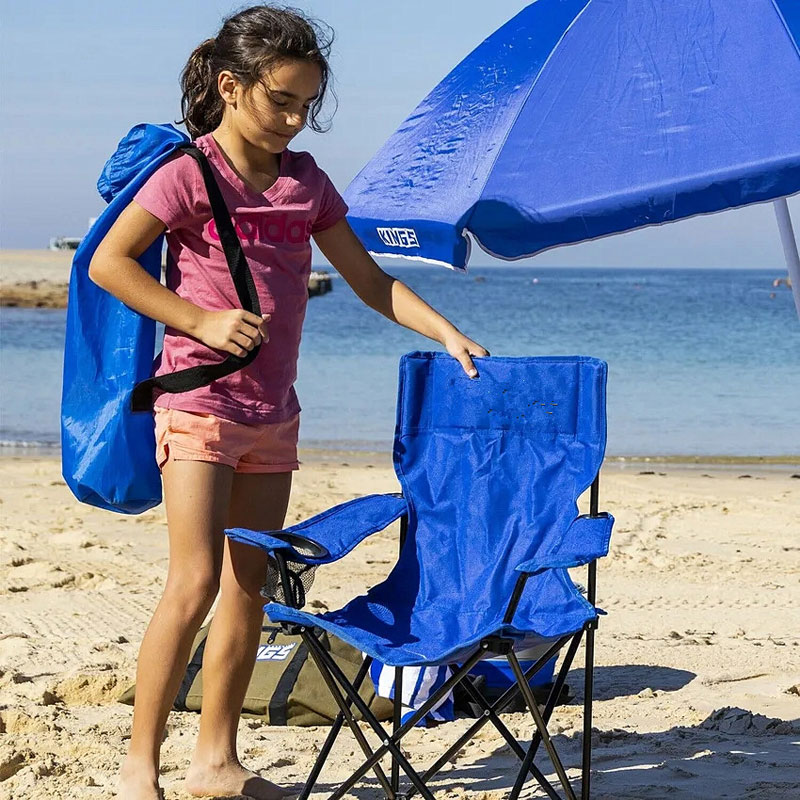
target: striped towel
419 683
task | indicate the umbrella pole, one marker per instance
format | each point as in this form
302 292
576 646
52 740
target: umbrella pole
789 247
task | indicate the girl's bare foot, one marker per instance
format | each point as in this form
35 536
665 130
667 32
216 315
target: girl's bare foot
138 782
231 780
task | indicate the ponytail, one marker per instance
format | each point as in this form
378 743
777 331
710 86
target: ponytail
201 103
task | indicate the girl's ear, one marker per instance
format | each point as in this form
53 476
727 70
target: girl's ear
229 87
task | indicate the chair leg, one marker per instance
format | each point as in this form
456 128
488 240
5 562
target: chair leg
334 673
537 717
397 716
491 715
391 743
493 710
588 689
527 764
332 735
552 699
555 692
315 648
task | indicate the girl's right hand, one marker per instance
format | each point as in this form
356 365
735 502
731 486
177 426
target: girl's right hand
235 331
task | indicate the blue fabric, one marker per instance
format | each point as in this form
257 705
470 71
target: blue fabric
107 452
582 118
491 469
338 530
584 541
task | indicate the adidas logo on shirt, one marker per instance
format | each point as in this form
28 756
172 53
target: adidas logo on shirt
279 228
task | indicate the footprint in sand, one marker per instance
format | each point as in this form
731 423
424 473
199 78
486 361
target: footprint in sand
61 582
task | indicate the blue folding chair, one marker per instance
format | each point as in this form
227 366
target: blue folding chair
491 470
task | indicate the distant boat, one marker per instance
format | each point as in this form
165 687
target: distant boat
65 242
319 282
69 242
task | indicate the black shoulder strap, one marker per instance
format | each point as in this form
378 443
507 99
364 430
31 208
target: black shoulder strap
279 702
186 379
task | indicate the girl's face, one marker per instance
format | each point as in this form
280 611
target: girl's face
274 111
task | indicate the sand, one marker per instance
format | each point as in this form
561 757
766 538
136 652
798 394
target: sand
698 660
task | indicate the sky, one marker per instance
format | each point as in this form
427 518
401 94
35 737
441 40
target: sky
78 74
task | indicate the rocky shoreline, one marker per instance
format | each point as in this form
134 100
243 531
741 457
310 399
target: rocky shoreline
34 294
34 278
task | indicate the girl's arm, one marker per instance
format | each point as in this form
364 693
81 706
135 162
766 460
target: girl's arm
114 268
391 297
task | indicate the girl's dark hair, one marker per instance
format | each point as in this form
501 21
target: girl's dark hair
249 44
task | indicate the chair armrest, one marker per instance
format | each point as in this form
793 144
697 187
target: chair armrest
584 541
330 535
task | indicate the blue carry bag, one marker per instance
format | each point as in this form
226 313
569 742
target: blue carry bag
107 433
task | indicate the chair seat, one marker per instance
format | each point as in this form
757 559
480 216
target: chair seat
425 634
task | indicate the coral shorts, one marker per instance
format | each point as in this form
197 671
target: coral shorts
189 436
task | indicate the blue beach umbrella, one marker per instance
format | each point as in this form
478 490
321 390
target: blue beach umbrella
583 118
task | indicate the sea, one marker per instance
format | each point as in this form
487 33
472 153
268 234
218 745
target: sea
701 362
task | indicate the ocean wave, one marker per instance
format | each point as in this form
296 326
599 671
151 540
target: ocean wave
25 444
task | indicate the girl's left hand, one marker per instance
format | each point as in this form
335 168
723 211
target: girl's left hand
461 348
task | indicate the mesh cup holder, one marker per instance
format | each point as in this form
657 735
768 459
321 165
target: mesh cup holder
299 576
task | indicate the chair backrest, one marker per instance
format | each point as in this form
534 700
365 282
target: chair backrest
492 469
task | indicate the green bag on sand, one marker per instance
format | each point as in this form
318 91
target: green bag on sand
286 687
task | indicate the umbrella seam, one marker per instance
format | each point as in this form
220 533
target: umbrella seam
786 27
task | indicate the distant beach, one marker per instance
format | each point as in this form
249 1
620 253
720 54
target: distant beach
34 278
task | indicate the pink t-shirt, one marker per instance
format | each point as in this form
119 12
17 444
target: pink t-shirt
274 228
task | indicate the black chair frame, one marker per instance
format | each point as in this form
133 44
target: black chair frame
346 695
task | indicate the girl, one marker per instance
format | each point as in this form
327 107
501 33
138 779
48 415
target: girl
227 451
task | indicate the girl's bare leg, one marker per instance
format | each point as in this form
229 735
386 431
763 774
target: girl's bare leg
197 497
259 502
